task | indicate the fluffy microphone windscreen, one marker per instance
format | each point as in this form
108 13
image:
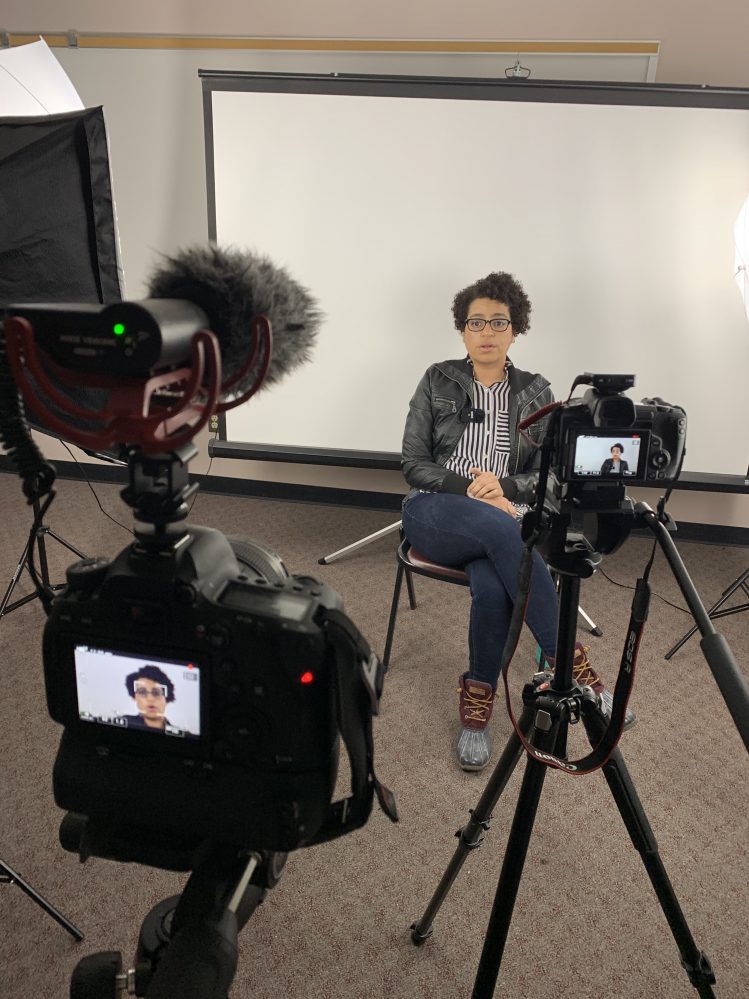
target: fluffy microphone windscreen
232 287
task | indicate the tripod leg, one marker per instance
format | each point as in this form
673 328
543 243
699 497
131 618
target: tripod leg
14 580
42 548
695 962
64 543
24 563
471 835
9 875
553 740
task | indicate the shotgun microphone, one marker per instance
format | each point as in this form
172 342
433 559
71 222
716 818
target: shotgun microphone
100 351
233 287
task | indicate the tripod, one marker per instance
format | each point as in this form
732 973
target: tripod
188 944
548 712
41 533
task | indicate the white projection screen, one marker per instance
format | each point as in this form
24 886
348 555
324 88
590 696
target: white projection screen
614 205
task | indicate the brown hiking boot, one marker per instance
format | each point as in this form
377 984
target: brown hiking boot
584 674
475 706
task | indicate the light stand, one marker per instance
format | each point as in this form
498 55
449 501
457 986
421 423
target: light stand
38 540
548 711
740 583
41 533
7 874
715 611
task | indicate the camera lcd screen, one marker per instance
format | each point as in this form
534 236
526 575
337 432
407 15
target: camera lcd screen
604 455
139 693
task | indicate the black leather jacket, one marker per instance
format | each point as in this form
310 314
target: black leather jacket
607 468
437 417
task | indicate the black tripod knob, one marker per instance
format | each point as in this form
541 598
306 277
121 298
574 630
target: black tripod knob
96 975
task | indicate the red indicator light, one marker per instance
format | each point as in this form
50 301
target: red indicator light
190 666
307 677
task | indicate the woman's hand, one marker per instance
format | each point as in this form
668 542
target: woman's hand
485 485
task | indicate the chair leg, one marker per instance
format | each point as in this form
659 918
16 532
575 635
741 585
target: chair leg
410 588
393 615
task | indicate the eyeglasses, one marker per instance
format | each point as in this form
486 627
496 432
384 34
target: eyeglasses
498 325
157 692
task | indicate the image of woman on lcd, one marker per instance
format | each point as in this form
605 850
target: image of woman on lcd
615 465
152 690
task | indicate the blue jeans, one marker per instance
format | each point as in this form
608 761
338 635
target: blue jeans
485 542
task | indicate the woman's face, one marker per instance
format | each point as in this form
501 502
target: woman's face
150 699
616 453
487 345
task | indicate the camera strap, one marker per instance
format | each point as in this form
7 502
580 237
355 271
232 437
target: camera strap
625 680
358 677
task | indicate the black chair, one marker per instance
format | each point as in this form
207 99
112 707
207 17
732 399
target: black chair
411 561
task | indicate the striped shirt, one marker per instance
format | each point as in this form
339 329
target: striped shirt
485 443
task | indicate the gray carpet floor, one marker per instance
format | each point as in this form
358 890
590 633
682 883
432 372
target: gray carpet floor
586 923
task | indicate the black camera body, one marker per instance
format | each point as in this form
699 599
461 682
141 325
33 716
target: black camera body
592 450
239 676
607 439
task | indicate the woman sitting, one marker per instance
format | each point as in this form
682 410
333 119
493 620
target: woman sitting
470 471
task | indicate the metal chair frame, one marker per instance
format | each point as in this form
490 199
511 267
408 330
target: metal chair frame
410 562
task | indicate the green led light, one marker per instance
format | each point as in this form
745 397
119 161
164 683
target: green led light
118 329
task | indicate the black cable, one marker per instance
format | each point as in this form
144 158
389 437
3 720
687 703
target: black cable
36 474
207 473
661 508
90 486
626 586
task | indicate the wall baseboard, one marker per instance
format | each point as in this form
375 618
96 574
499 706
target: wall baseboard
716 534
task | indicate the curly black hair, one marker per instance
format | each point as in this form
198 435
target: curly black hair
500 287
150 673
620 446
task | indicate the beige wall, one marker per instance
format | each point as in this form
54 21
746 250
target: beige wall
685 506
700 43
694 48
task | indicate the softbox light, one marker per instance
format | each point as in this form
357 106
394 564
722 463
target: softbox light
58 238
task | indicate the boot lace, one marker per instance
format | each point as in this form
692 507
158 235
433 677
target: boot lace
475 708
583 672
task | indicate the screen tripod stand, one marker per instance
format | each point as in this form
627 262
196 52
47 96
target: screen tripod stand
549 709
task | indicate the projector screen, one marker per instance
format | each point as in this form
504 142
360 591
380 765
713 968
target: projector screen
613 205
